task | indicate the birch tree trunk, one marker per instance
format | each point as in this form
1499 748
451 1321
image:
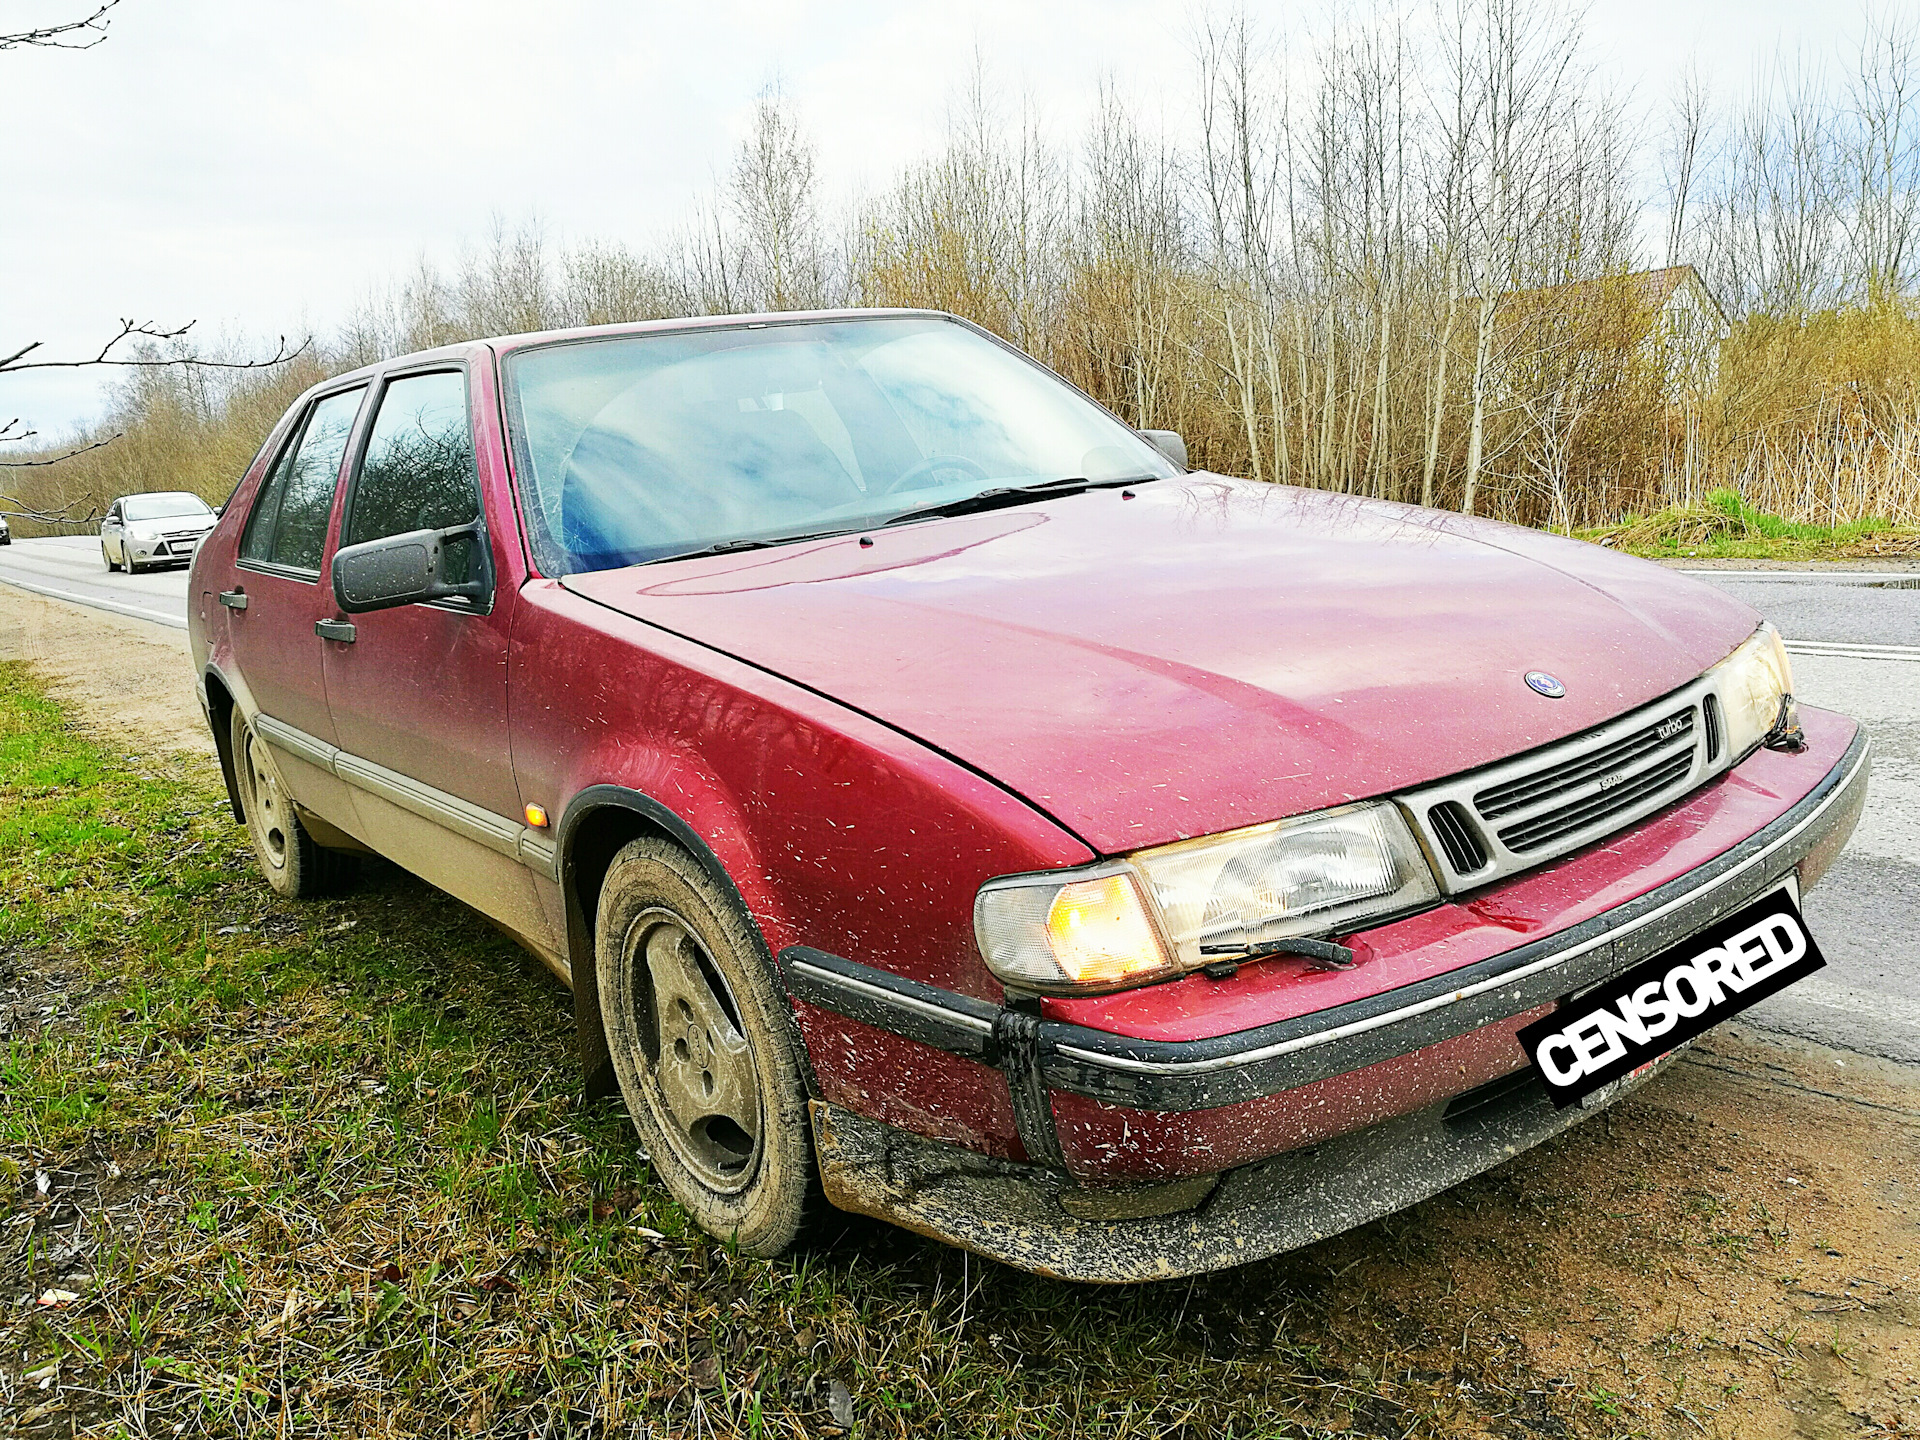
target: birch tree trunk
1439 408
1476 436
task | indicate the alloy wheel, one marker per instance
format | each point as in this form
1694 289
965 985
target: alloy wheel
699 1077
267 803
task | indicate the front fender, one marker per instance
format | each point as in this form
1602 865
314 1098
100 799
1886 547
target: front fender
834 830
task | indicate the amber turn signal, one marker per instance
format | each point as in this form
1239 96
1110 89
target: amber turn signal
1100 934
536 817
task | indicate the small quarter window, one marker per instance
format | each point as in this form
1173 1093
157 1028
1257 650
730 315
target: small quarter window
288 526
418 472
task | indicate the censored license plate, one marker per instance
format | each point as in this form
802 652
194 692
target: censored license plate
1625 1023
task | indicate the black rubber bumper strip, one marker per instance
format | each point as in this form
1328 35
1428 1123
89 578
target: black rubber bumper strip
1248 1064
958 1024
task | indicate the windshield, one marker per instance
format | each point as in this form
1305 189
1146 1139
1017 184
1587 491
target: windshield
164 506
645 447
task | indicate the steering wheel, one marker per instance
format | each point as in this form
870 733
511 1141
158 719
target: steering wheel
932 465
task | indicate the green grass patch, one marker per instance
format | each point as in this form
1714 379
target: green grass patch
323 1170
1725 527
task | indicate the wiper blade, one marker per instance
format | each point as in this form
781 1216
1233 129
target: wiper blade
728 547
1001 495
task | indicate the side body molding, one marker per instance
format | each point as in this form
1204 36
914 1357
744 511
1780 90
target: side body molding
501 833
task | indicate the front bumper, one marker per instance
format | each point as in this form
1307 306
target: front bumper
1023 1214
1062 1075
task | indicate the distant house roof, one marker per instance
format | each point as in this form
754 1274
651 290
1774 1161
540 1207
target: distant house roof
1651 288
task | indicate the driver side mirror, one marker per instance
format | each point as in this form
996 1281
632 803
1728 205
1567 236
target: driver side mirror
409 568
1169 444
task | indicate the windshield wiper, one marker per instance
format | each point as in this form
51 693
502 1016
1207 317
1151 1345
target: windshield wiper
1001 495
728 547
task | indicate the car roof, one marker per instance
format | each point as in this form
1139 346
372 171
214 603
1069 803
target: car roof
165 494
506 344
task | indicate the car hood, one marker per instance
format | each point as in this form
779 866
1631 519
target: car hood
1203 653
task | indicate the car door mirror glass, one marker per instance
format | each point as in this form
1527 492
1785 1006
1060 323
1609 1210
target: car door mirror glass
413 567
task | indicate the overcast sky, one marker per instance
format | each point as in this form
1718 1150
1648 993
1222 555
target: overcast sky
257 165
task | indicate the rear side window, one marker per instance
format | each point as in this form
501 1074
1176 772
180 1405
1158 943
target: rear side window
288 526
418 471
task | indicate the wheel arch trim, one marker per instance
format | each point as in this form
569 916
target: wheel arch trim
581 960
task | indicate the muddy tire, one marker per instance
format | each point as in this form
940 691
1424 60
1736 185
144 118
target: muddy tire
705 1049
294 865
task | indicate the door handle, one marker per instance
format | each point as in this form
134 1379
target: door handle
340 630
234 599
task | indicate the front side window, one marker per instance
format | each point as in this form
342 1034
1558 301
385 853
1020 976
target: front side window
418 472
288 526
644 447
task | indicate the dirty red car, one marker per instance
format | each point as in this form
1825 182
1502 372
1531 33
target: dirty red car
940 799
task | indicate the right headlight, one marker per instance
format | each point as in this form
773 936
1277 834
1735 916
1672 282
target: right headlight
1165 911
1751 683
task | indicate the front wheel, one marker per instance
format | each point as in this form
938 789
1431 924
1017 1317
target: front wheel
107 557
295 866
707 1058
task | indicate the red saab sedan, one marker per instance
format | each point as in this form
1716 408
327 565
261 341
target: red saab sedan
941 800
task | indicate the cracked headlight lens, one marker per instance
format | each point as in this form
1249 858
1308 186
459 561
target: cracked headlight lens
1177 907
1751 683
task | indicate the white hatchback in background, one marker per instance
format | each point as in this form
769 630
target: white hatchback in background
164 527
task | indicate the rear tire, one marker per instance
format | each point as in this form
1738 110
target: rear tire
705 1049
293 864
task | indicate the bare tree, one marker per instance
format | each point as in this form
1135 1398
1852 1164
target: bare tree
783 262
137 344
1686 131
81 34
113 354
1883 158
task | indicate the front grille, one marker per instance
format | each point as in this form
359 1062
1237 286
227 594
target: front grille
1512 816
1662 736
1590 810
1455 833
1575 795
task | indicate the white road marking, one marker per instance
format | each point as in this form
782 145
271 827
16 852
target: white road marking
1872 579
176 622
1843 650
69 567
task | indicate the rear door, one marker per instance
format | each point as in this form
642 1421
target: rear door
278 581
418 694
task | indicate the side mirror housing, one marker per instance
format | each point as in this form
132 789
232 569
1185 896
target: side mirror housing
407 569
1169 444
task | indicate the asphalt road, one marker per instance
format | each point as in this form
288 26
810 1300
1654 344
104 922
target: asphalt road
69 567
1856 644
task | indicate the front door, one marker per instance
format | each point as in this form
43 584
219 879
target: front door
418 693
277 575
113 537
